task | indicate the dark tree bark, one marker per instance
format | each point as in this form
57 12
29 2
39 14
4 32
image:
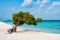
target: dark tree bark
14 27
9 31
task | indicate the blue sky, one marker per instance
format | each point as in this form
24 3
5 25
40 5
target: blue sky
46 9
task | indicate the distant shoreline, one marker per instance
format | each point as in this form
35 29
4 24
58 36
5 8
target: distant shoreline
42 20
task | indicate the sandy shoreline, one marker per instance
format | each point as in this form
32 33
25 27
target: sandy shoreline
25 35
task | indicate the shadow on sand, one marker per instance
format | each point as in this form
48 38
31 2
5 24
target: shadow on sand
26 31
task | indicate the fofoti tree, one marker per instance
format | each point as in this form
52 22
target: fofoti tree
20 18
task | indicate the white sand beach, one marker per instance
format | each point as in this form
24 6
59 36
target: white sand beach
25 35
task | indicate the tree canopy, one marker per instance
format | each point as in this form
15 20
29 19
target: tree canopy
39 19
25 17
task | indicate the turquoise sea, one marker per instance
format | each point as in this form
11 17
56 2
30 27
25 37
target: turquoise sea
50 26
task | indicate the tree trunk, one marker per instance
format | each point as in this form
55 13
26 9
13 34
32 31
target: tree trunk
15 28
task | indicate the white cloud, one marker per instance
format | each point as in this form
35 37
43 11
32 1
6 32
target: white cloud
42 3
26 3
54 4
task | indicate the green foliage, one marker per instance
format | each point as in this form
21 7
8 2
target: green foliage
24 17
39 19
